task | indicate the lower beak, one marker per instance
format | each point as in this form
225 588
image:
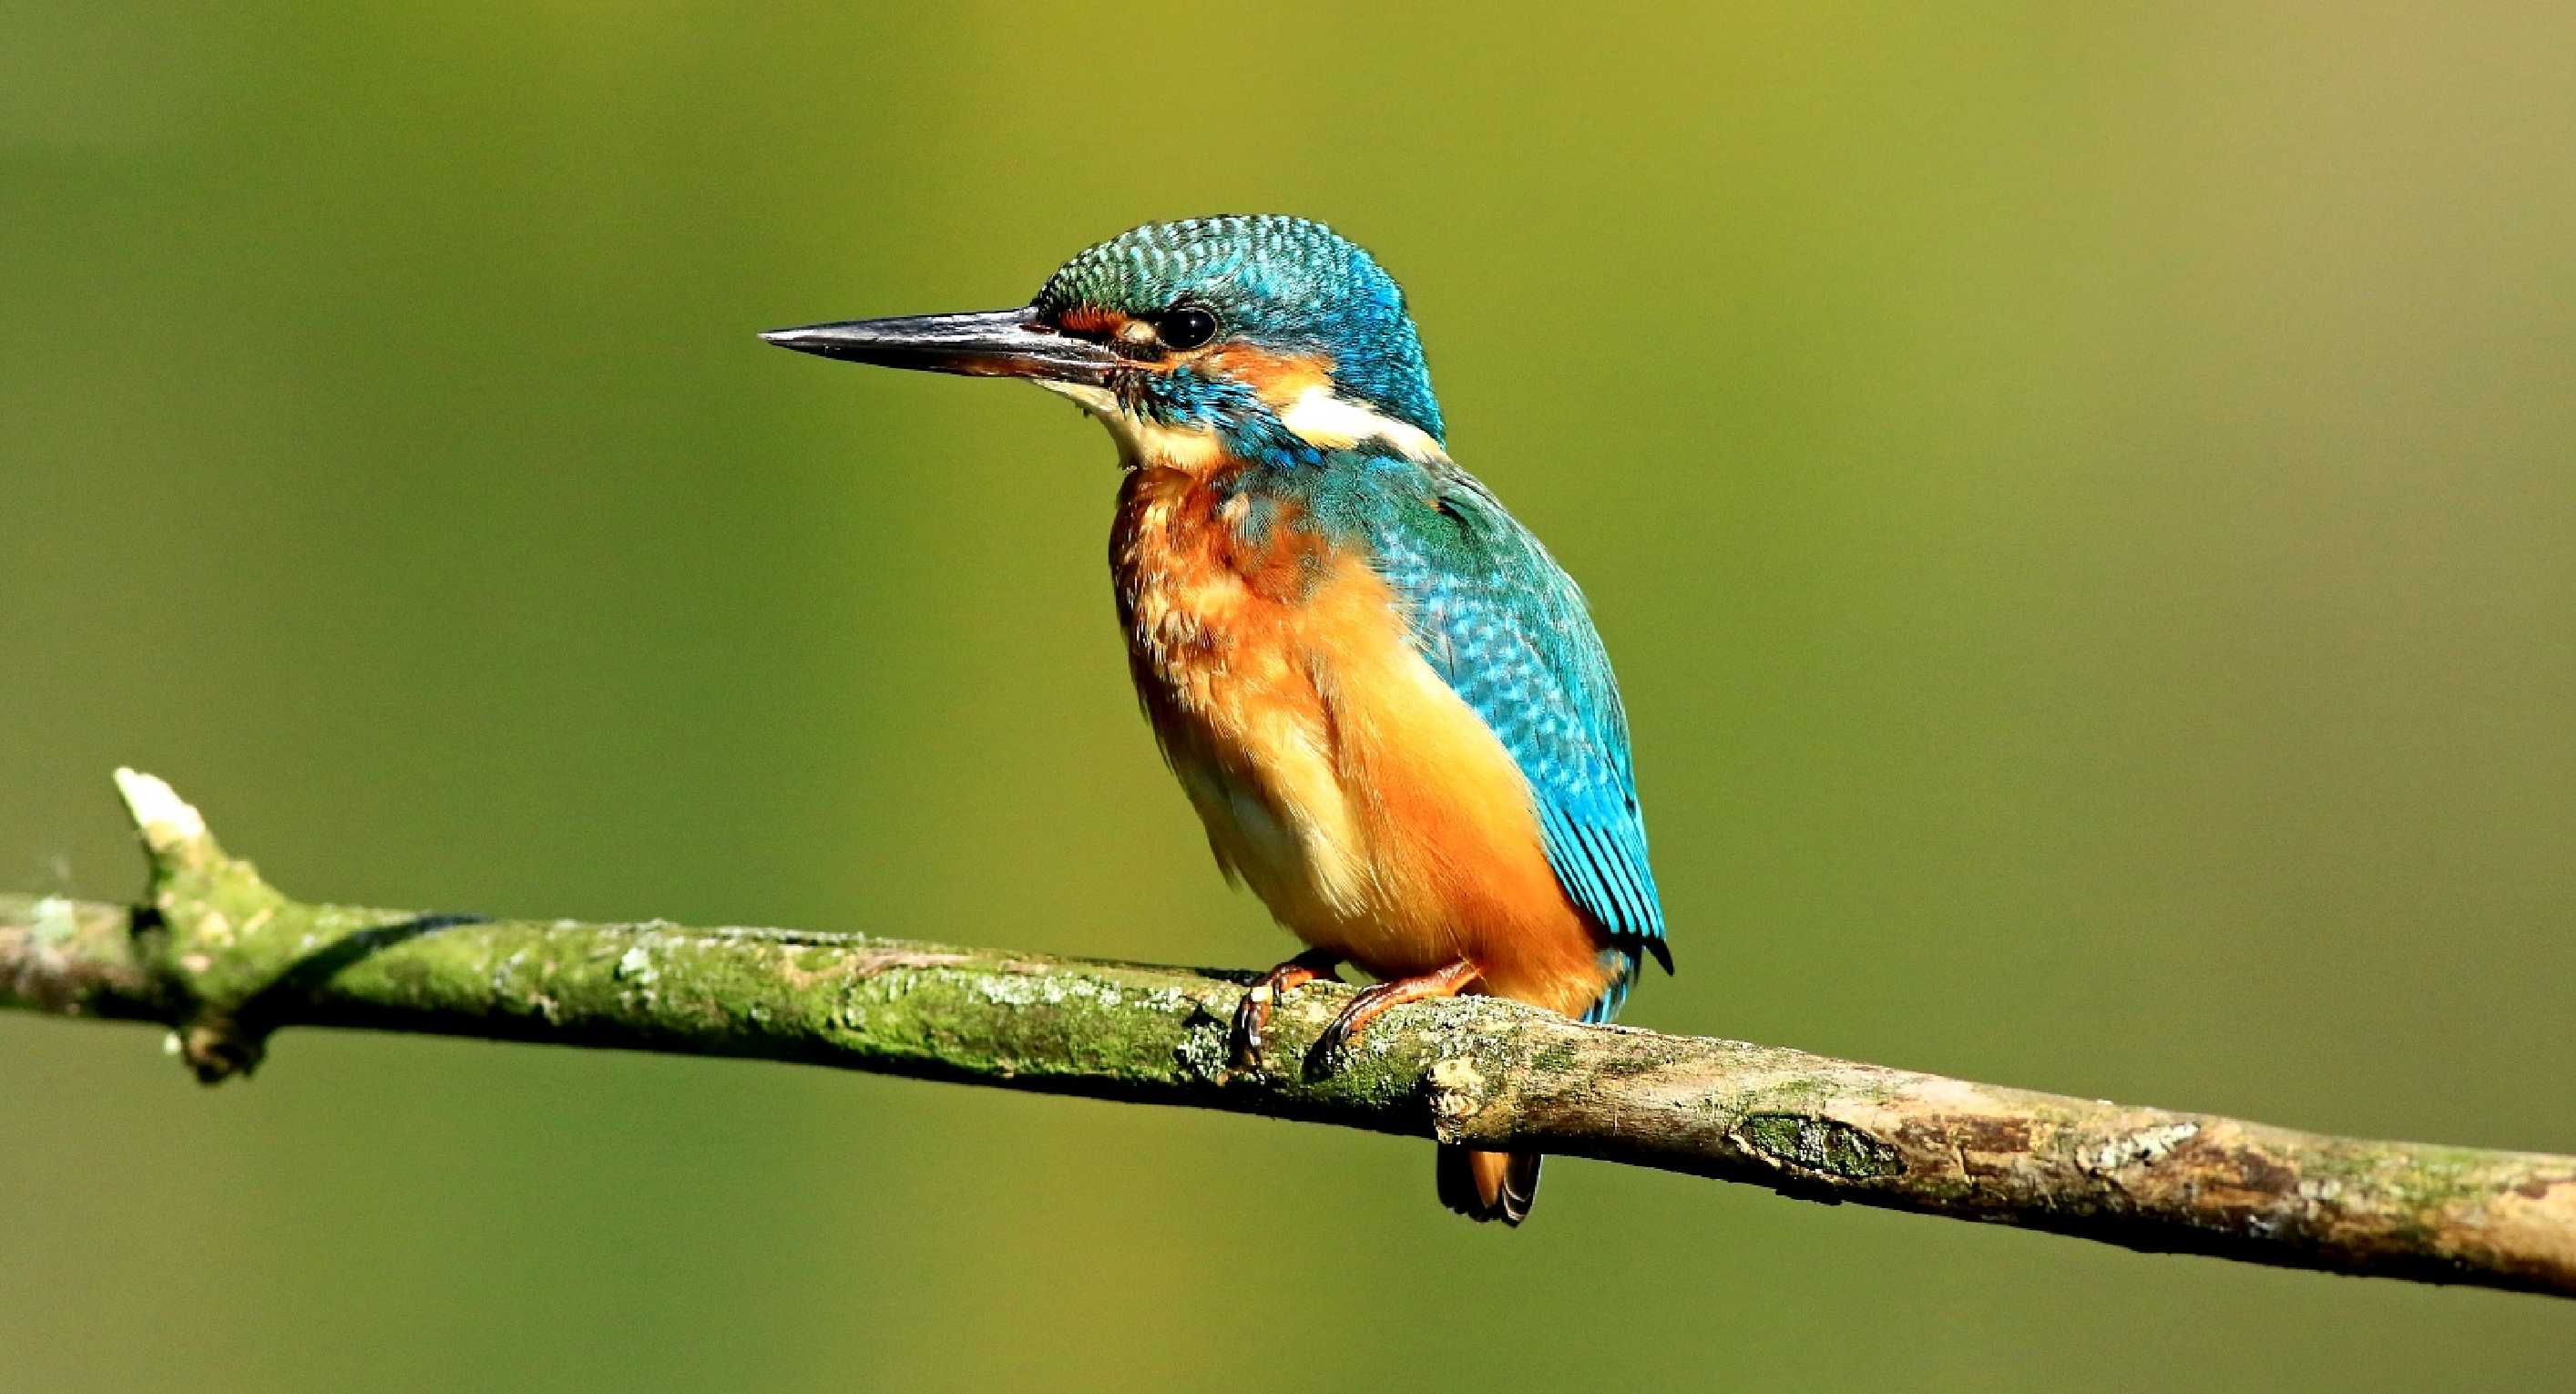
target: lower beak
988 343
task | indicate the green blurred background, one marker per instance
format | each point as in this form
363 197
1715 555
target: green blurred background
2082 505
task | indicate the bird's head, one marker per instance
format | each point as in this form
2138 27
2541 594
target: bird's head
1267 339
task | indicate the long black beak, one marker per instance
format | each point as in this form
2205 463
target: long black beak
987 343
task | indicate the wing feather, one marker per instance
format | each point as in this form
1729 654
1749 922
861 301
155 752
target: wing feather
1508 630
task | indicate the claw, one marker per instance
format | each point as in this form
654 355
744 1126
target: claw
1370 1004
1252 1014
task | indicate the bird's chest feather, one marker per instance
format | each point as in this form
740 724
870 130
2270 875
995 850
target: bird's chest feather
1336 773
1230 637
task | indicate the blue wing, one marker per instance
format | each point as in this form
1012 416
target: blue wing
1504 625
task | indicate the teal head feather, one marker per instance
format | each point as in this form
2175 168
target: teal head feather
1289 287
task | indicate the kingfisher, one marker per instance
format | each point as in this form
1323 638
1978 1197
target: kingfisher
1384 699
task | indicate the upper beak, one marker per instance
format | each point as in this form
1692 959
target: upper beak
987 343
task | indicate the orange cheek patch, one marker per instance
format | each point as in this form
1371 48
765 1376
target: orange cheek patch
1279 378
1088 321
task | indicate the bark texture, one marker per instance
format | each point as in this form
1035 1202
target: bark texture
224 960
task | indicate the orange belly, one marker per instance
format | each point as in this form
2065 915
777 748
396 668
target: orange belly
1366 804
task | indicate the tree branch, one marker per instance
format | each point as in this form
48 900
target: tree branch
224 960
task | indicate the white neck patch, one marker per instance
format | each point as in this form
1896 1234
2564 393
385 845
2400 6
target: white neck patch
1317 416
1322 418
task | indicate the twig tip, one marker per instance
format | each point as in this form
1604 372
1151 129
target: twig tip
166 821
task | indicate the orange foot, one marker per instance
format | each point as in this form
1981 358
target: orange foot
1365 1008
1252 1014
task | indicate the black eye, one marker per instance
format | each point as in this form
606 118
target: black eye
1184 327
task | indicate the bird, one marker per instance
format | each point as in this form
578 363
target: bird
1386 701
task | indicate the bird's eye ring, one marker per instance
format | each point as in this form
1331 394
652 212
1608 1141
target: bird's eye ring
1185 327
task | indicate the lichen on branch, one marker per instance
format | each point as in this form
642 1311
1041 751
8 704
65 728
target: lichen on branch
224 960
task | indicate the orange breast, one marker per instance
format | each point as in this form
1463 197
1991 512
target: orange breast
1337 774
